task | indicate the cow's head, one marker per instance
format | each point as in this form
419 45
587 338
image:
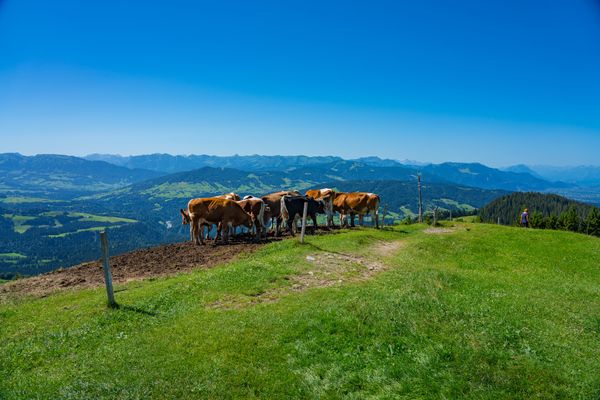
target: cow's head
185 217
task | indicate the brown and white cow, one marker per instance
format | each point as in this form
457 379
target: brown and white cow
256 208
229 196
327 195
356 203
208 211
273 201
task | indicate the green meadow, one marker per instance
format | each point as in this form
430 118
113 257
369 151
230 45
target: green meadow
467 311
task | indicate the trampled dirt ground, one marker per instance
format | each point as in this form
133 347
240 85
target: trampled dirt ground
169 259
162 260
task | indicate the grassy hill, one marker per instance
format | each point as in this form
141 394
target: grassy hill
469 311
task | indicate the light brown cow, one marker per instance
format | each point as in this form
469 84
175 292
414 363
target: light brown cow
229 196
327 195
256 208
273 201
356 203
208 211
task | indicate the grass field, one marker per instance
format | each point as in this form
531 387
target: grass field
99 218
24 199
479 312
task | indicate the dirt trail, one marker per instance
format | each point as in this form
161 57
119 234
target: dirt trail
327 269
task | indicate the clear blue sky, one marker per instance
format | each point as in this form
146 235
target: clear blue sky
499 82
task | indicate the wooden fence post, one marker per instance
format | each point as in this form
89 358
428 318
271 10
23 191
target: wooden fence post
384 212
107 273
420 200
304 212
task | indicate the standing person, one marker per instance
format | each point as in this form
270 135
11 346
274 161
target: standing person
525 218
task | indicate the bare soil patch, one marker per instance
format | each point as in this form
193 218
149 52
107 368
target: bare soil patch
157 261
437 231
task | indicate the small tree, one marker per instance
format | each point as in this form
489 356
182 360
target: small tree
551 222
537 220
428 219
569 220
592 222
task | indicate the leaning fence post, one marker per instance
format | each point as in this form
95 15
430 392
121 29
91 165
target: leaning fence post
304 212
107 273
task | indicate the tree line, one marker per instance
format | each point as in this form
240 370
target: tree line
546 211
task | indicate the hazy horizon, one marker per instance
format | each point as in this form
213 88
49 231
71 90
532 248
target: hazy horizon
499 83
405 161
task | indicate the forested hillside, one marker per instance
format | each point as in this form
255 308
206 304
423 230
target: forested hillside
401 198
546 211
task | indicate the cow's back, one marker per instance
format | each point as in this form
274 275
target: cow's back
214 209
354 201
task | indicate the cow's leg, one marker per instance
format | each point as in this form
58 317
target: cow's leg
296 218
361 218
231 229
376 213
352 220
314 220
192 231
290 226
196 231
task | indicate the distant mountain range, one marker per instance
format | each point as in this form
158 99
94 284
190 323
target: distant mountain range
62 176
582 175
470 174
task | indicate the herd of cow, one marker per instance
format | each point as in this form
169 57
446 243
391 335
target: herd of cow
257 214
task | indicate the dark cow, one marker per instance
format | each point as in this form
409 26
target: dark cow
327 195
292 207
273 202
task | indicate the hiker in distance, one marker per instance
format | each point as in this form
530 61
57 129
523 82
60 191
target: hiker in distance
525 218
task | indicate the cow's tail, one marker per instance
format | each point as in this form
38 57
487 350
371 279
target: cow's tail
284 211
376 211
261 214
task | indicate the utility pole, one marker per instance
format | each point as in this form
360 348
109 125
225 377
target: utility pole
420 200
